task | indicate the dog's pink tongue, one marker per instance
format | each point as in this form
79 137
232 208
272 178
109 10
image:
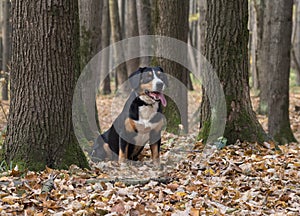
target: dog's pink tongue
162 99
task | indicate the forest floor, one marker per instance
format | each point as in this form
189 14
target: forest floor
241 179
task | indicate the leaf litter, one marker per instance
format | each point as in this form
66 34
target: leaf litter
241 179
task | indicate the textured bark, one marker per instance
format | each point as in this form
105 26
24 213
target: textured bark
202 24
44 64
171 19
193 23
253 45
6 41
116 35
90 28
280 46
144 23
257 64
296 43
264 56
226 49
105 41
90 44
131 30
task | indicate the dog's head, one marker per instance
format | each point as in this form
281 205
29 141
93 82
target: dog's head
149 83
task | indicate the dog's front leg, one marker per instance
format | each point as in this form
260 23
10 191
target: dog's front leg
155 149
155 142
123 151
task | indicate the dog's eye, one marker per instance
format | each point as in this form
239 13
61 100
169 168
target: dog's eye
158 73
147 77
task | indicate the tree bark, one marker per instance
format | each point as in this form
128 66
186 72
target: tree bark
105 41
116 35
280 46
45 62
253 45
131 30
90 44
171 19
263 59
226 49
145 28
6 41
296 43
202 24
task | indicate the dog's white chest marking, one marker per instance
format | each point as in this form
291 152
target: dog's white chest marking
143 125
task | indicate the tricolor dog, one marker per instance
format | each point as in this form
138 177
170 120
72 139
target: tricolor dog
140 122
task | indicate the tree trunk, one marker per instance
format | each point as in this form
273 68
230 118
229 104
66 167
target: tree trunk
253 45
90 44
280 46
296 43
131 30
202 24
45 62
90 30
122 10
105 41
116 34
226 49
172 20
144 23
263 59
6 40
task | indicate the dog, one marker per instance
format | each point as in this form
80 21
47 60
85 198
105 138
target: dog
141 120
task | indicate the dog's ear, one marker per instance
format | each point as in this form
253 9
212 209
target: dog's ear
164 76
135 77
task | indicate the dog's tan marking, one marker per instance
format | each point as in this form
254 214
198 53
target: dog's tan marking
145 86
108 151
123 155
155 153
130 125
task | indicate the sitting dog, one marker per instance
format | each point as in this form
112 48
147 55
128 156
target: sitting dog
141 120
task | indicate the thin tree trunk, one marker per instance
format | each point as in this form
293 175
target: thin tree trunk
280 46
263 59
202 24
105 26
226 49
40 130
253 45
131 30
90 44
172 20
144 23
6 40
296 43
116 35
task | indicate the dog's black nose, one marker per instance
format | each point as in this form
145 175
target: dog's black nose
159 86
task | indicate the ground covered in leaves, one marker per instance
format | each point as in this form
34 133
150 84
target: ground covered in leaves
241 179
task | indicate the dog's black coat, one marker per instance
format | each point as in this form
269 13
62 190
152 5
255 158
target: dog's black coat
125 138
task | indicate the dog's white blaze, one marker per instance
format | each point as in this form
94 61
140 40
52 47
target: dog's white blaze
155 81
143 125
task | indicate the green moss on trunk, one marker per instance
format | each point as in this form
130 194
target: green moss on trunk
204 132
173 117
284 136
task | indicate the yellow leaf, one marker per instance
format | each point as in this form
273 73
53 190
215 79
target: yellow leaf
181 194
209 172
10 199
104 199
